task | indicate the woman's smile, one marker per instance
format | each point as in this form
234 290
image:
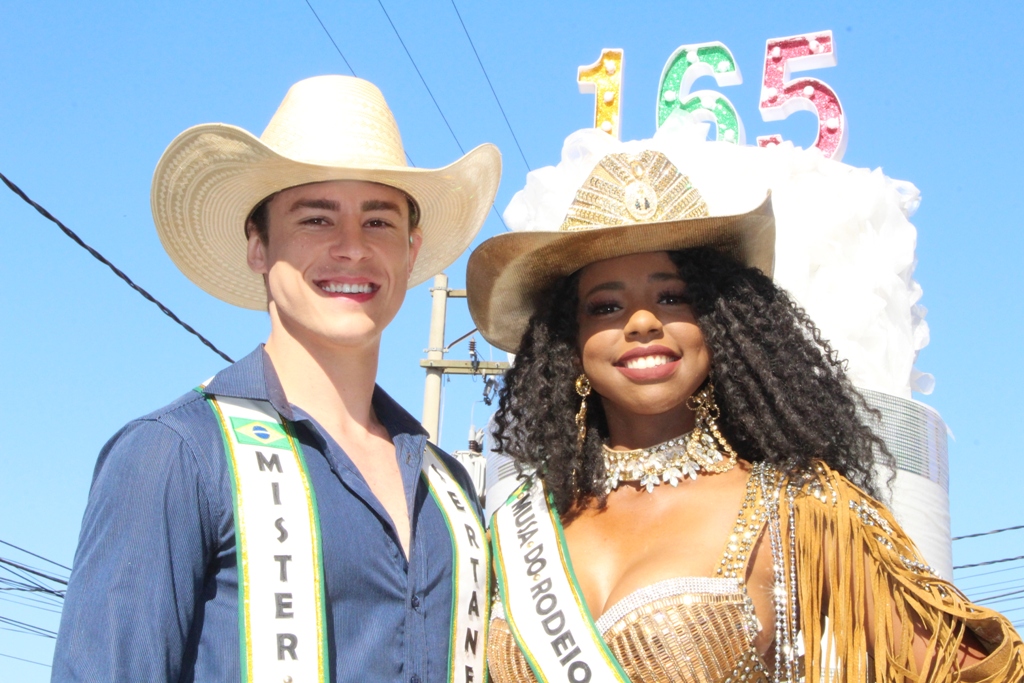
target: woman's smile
648 363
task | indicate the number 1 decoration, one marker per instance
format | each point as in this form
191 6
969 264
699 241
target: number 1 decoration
603 78
686 65
781 95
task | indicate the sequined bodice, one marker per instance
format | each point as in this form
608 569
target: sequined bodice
681 630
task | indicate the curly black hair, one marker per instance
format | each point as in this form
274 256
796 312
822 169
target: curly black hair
781 388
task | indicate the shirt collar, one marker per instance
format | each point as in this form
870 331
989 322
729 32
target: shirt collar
254 378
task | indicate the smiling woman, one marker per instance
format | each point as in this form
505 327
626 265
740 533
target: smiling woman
702 508
774 378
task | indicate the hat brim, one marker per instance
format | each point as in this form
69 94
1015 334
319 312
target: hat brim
507 274
211 177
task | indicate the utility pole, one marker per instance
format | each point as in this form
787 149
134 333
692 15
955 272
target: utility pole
435 351
436 365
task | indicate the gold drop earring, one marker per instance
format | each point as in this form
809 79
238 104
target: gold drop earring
583 389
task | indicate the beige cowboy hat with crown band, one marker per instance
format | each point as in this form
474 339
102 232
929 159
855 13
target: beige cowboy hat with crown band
327 128
632 202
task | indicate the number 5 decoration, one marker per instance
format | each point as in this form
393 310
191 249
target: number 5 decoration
781 96
686 65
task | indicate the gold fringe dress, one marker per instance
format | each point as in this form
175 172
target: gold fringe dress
841 562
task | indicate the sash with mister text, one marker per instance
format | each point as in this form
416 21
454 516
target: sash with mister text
282 614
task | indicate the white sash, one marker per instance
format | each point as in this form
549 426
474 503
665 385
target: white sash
282 615
470 580
544 607
282 619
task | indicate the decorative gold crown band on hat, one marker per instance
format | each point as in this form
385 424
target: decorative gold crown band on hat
624 189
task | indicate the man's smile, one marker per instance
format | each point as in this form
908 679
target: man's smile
348 287
357 288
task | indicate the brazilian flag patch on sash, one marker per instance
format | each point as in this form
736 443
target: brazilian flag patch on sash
259 433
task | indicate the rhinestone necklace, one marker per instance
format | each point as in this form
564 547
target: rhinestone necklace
668 462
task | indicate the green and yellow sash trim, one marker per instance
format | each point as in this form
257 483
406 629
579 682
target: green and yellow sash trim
470 575
282 617
544 606
282 608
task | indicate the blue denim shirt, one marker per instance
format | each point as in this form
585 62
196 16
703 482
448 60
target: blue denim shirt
153 594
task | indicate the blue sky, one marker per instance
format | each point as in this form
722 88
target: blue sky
91 93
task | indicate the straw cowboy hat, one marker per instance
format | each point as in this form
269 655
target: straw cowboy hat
327 128
631 202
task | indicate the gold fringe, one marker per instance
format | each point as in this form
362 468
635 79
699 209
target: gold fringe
857 568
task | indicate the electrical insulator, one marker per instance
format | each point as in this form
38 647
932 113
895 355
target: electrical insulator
473 358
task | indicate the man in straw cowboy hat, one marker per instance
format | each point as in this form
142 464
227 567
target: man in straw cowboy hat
287 520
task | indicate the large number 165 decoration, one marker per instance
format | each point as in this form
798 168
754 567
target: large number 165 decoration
781 95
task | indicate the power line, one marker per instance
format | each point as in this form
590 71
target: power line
995 571
985 564
28 603
493 92
23 627
117 271
995 591
29 552
988 533
998 598
27 583
28 592
30 587
351 70
422 80
25 660
434 99
990 585
36 572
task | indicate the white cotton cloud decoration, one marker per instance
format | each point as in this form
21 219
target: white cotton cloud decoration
844 242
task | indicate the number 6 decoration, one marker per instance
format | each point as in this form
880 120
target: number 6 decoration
686 65
781 96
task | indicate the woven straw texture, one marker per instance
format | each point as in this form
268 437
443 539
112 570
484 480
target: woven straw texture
508 273
327 128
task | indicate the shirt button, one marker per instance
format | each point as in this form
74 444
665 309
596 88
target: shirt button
415 602
414 678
